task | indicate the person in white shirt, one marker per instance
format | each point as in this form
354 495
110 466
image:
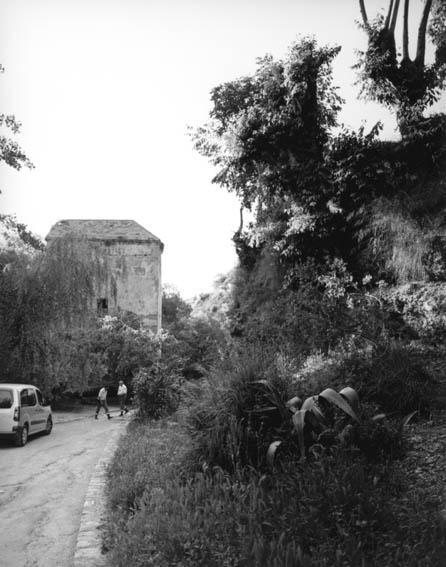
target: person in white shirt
101 402
122 395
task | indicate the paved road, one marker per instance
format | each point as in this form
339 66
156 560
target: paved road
42 490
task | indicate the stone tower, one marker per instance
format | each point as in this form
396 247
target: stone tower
130 260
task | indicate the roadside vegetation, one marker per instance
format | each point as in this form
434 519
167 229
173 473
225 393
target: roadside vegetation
302 441
284 419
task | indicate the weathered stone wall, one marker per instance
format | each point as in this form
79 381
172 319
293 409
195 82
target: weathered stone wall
130 278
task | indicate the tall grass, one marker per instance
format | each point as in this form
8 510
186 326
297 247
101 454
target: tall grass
335 510
398 240
232 419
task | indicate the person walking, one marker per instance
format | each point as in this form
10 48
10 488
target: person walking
101 402
122 395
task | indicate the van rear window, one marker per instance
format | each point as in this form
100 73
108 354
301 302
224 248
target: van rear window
5 399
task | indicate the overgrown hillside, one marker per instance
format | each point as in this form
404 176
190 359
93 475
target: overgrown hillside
303 443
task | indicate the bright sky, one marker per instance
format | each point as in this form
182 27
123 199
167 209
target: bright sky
105 90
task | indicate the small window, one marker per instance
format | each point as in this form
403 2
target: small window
32 400
24 398
39 397
102 304
6 399
27 398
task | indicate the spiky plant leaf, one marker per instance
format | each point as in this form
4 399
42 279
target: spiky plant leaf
263 409
299 424
309 403
261 383
379 417
351 396
294 404
336 399
271 453
316 420
408 418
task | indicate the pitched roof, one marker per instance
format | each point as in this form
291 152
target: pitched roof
99 229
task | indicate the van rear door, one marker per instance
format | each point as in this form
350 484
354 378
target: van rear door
6 410
28 404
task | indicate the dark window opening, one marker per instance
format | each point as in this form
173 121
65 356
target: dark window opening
102 305
40 397
5 399
28 398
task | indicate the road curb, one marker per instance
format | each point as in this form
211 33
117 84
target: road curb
88 551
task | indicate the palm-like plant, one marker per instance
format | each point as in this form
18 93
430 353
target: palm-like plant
314 419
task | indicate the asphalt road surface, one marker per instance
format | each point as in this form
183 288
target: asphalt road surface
42 490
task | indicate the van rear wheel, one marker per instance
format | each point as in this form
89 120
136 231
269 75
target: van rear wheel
22 436
49 426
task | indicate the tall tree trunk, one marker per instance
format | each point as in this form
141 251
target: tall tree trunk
421 44
406 31
394 16
364 13
389 13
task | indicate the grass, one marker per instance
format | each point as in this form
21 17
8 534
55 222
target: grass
335 510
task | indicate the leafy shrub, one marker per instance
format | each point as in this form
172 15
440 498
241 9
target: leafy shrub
335 419
390 375
421 306
378 440
156 391
200 340
234 418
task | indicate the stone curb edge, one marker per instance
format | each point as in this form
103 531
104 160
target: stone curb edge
88 550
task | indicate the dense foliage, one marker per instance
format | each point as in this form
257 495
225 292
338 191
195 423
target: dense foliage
200 339
250 474
42 294
345 207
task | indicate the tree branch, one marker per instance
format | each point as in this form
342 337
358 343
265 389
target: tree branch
394 16
389 12
406 31
421 43
240 228
364 13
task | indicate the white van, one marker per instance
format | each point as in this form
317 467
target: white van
23 412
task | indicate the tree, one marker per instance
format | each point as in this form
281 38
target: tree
314 195
200 340
267 135
174 309
43 297
396 80
10 152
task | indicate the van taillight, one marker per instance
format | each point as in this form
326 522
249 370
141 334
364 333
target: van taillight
16 414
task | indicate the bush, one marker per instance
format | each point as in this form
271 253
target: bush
390 375
420 307
200 341
157 391
234 419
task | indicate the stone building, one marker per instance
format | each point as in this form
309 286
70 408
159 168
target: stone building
129 256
